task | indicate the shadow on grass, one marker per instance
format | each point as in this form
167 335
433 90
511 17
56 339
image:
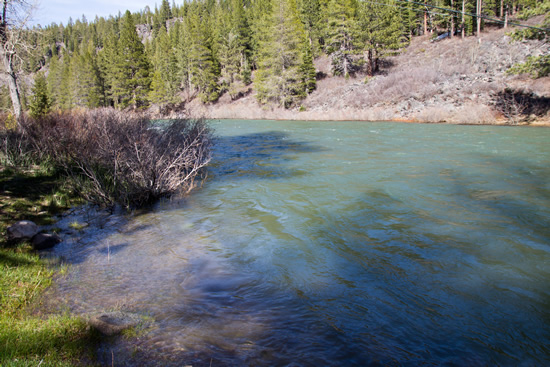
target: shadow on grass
31 195
57 342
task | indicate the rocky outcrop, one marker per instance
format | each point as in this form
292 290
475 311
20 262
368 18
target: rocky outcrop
26 230
21 231
44 241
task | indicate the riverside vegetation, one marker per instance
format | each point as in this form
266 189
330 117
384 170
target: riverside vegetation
27 338
272 59
52 162
202 53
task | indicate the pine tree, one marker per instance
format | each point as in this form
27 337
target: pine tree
342 35
233 37
381 31
165 12
54 79
164 87
202 65
64 92
307 70
279 77
40 102
183 60
131 69
85 84
311 14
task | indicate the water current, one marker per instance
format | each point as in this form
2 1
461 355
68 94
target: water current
335 243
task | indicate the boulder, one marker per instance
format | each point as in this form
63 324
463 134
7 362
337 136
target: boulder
113 323
43 241
22 230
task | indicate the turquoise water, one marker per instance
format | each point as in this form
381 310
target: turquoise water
338 243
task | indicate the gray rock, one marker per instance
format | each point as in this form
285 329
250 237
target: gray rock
22 230
113 323
43 241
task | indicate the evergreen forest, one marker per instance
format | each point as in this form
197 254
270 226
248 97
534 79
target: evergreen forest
203 49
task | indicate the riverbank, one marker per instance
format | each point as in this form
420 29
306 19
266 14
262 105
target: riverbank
29 337
455 81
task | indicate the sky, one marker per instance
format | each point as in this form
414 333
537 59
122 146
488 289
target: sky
59 11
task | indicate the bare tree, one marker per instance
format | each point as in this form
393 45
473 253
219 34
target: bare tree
14 18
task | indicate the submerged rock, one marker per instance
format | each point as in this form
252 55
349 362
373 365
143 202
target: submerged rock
22 230
43 241
113 323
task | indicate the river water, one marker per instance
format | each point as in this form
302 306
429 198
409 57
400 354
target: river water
335 243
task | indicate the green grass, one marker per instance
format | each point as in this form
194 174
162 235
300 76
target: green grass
27 339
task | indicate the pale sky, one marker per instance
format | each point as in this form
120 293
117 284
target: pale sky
59 11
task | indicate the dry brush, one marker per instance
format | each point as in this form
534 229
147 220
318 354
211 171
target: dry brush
117 158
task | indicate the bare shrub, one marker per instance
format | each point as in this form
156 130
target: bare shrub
15 148
418 82
521 105
114 157
474 114
434 114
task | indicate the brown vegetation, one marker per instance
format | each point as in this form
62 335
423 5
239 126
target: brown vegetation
114 157
453 81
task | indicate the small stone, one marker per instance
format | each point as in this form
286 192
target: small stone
22 230
113 323
43 241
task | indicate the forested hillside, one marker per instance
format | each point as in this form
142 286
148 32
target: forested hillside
205 49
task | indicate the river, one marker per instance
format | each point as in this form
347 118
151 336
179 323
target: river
335 243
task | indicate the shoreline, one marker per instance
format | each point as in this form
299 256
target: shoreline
212 112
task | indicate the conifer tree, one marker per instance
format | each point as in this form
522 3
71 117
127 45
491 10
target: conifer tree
165 12
342 35
164 87
233 37
131 68
183 60
54 79
381 31
307 70
106 64
279 77
85 85
40 102
311 15
202 65
64 92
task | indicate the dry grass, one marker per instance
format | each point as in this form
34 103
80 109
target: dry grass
453 80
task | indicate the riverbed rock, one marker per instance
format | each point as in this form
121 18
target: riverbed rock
113 323
43 241
22 230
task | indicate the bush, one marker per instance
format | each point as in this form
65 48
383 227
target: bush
113 157
15 148
536 66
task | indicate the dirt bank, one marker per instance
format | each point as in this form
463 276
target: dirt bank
453 81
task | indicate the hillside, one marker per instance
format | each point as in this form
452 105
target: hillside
453 81
283 59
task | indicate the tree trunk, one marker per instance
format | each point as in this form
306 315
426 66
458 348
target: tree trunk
452 21
506 18
478 13
371 66
463 22
12 81
425 22
7 60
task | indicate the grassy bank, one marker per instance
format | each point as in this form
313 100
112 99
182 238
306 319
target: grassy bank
28 339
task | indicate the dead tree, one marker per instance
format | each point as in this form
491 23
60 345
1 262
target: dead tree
15 14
